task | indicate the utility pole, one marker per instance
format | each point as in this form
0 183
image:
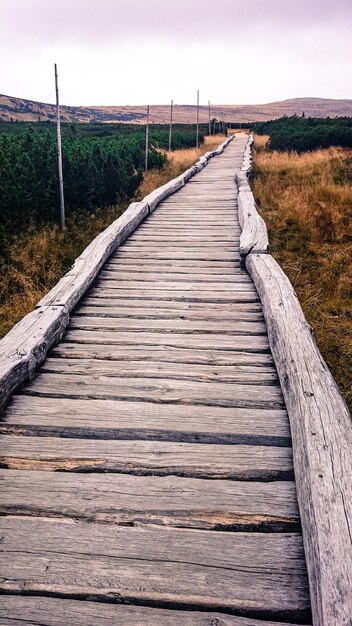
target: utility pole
197 142
147 140
170 132
209 117
59 154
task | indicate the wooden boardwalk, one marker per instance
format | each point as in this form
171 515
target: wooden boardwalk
147 474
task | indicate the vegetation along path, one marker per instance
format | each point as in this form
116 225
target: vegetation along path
147 473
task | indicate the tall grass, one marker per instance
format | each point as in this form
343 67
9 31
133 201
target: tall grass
306 201
35 260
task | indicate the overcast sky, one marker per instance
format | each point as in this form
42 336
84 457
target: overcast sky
140 51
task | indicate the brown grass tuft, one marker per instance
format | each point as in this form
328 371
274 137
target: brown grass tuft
37 259
306 201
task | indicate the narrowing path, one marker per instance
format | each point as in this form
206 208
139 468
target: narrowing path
147 474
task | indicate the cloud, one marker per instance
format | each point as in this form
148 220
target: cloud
109 21
133 51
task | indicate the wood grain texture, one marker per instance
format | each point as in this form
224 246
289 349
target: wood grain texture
144 458
145 276
232 327
254 574
181 295
158 390
240 343
246 374
32 611
200 266
94 308
169 501
322 443
113 419
254 236
179 287
165 353
26 345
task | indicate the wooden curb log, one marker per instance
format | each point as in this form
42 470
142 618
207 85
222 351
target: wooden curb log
322 444
25 347
321 433
254 236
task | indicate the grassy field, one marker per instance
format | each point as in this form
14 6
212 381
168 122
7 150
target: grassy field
306 201
38 258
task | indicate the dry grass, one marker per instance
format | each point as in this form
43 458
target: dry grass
260 142
177 162
37 259
306 201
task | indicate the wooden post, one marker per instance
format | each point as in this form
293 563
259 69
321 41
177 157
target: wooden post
209 118
197 141
59 154
147 140
170 132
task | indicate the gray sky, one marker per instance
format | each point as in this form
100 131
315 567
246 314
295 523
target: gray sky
139 51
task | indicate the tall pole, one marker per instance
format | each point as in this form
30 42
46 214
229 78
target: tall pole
209 117
59 154
197 142
170 132
147 140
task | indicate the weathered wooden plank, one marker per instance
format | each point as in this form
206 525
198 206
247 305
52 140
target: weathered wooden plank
31 611
98 309
256 344
146 247
176 296
165 501
26 345
195 221
200 264
182 255
145 276
199 287
156 390
113 419
232 327
157 353
251 573
163 233
158 458
245 374
322 437
200 227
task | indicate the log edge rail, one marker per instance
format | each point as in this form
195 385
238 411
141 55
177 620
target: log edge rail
24 348
319 418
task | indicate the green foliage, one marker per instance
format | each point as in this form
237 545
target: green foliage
303 134
102 166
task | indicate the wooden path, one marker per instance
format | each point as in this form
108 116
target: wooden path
147 474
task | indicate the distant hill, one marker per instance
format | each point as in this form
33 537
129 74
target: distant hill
28 110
